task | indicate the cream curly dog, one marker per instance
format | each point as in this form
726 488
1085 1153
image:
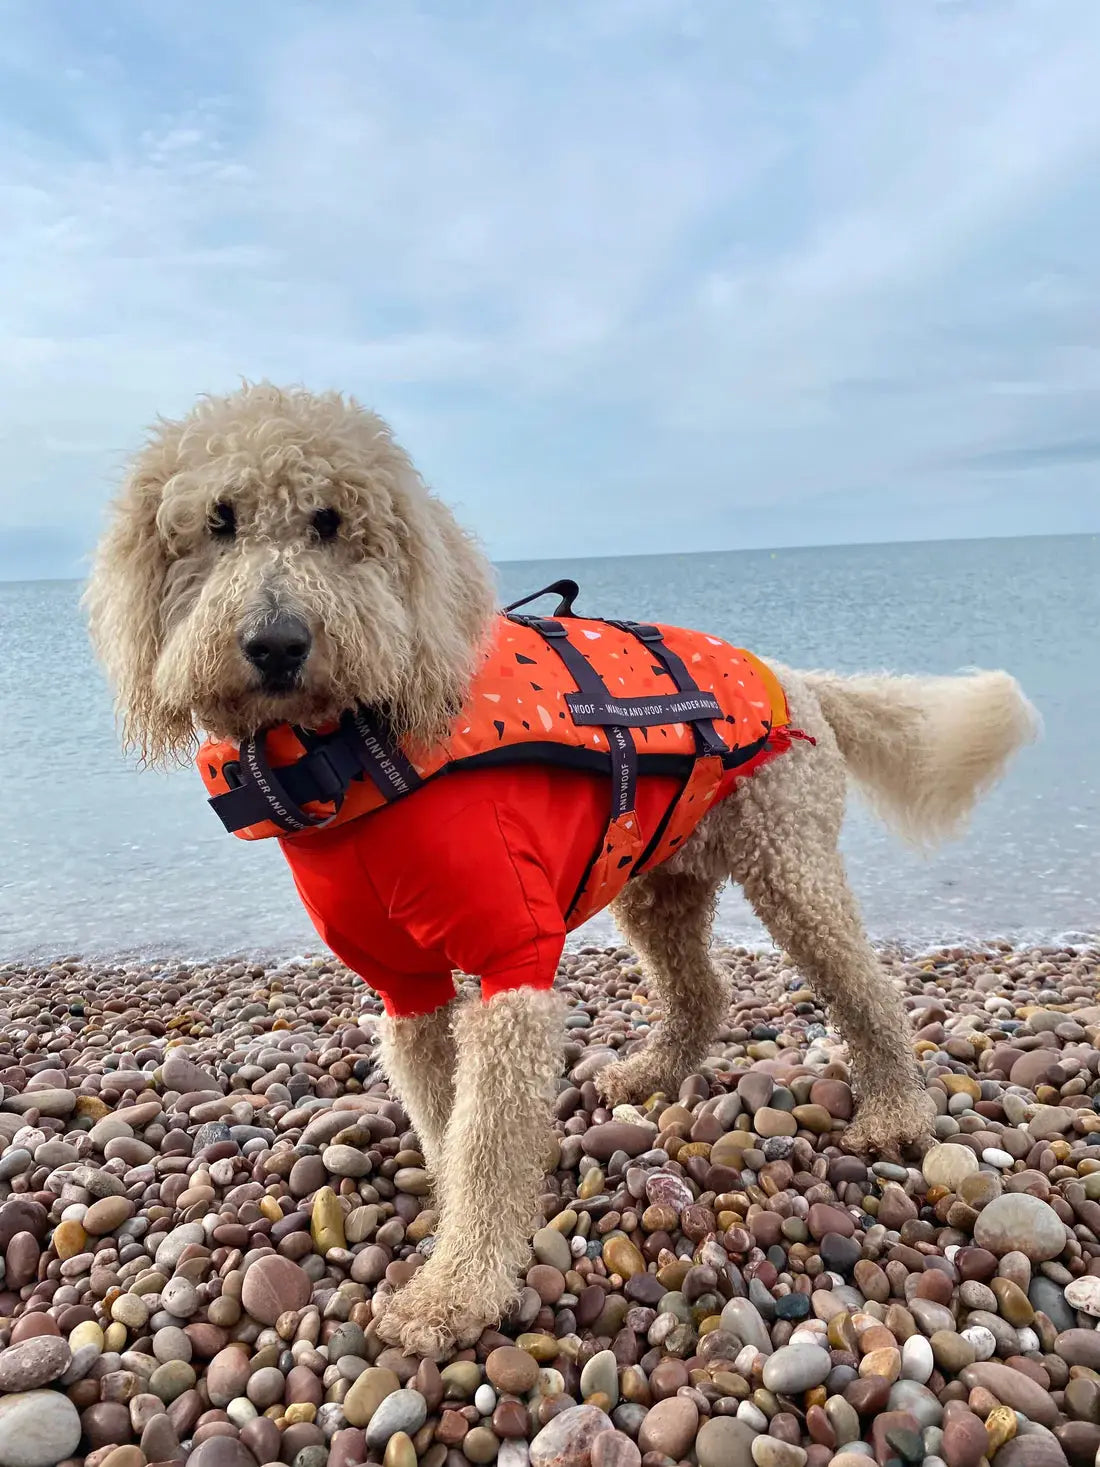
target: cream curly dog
269 503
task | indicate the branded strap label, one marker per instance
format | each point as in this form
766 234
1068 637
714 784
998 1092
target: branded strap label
387 766
691 707
258 772
624 771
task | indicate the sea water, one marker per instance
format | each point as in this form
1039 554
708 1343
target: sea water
100 858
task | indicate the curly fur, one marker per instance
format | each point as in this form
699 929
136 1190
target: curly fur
923 749
667 916
398 604
509 1053
418 1056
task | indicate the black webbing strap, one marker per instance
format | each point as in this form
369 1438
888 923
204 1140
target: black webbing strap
381 760
266 794
593 690
707 738
623 754
361 745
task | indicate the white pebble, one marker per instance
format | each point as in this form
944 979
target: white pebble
550 1382
1084 1294
331 1419
1029 1341
917 1360
241 1411
578 1247
744 1362
631 1115
985 1345
752 1416
485 1400
813 1331
996 1157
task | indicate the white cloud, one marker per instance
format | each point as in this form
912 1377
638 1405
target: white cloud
784 252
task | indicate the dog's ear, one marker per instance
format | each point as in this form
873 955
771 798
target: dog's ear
123 604
451 598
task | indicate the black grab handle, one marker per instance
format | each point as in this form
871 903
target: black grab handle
566 589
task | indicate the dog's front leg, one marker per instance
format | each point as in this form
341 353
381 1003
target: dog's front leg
418 1056
509 1051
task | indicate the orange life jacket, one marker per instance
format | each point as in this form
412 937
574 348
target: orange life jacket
620 698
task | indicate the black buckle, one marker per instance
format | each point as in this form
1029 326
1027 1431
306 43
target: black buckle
640 629
330 784
541 624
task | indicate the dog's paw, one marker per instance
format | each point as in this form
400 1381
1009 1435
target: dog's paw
431 1316
628 1081
888 1127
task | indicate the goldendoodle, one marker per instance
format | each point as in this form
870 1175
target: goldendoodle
274 559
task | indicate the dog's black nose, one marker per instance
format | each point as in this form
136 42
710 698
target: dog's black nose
278 648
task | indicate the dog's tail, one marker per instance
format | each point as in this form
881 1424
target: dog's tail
923 749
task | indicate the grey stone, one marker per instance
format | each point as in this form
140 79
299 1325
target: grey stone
723 1441
742 1318
1019 1222
404 1410
918 1400
37 1429
552 1247
601 1374
14 1163
168 1254
179 1072
795 1368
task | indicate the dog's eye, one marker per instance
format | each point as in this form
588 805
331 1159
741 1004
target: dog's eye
325 523
223 521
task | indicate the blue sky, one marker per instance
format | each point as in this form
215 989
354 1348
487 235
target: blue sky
626 275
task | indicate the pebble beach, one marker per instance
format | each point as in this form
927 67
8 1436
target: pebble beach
205 1184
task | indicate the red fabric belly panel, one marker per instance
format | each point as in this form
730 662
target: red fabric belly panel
476 872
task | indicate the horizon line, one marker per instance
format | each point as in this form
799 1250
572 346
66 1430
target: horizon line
685 554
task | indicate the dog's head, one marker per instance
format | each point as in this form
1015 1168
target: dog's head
273 557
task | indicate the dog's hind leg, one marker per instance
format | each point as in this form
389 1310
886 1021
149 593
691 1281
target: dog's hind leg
418 1056
780 832
812 915
666 916
509 1053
